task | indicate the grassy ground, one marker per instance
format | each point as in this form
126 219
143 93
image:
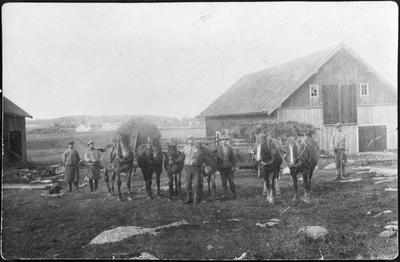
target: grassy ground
38 227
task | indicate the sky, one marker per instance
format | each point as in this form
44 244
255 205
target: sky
172 59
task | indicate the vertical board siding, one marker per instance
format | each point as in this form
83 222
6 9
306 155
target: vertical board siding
381 115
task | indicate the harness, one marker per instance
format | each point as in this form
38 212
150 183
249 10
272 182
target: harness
141 150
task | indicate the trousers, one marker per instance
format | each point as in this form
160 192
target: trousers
340 160
193 176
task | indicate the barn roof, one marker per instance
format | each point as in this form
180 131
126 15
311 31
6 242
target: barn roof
264 91
12 109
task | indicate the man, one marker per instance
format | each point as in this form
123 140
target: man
226 163
92 157
339 145
193 173
71 160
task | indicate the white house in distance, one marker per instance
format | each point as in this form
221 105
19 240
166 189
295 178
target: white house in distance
194 123
84 128
109 126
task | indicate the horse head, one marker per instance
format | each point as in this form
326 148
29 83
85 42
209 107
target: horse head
292 151
123 147
259 146
154 150
199 154
172 152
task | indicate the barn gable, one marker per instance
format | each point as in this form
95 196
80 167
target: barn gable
265 91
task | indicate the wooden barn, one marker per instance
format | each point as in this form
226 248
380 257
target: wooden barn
14 134
330 86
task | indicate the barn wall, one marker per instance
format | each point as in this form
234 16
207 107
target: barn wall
368 115
342 69
220 123
13 123
381 115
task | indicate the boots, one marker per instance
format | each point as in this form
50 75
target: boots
69 187
223 193
96 183
76 186
91 184
188 199
197 198
234 193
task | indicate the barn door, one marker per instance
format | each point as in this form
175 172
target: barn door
330 100
348 104
372 138
339 104
15 146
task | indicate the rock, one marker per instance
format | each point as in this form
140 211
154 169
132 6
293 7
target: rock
313 232
388 233
144 256
393 223
391 227
330 166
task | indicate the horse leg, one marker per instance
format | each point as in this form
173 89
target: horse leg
171 184
310 174
258 170
158 174
277 183
106 179
268 188
118 173
208 183
112 184
176 185
179 185
294 177
214 186
306 198
128 183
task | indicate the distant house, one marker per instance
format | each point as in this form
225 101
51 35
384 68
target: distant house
194 123
109 126
84 128
14 133
326 87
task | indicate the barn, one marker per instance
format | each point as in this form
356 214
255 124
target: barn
14 134
326 87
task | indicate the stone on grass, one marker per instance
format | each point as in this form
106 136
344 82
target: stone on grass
388 233
393 223
313 232
330 166
391 227
144 256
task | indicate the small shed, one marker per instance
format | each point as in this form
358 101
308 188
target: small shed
14 134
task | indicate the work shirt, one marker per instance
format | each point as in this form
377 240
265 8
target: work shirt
71 157
93 156
225 157
187 154
338 140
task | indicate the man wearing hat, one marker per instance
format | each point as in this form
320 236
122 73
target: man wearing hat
92 158
226 163
71 160
193 173
339 145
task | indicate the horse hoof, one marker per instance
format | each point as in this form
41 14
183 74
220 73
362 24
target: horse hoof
264 194
130 199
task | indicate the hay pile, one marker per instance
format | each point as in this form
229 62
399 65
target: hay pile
142 127
274 128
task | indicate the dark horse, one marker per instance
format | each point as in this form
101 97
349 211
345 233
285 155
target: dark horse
118 158
174 169
269 156
150 159
204 159
302 158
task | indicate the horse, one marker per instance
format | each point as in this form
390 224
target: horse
150 159
118 158
269 156
174 169
203 158
302 158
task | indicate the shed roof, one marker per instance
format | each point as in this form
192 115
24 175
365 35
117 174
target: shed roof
12 109
264 91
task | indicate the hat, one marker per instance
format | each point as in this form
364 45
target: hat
190 137
338 124
70 142
90 142
223 137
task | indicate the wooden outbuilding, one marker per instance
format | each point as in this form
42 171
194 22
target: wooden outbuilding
14 134
330 86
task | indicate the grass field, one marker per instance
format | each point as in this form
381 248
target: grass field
38 227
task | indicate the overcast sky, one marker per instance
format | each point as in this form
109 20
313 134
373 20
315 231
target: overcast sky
172 59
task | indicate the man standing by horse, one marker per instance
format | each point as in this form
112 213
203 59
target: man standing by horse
226 162
92 157
339 146
193 173
71 160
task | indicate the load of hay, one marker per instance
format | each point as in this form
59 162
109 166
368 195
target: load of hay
138 129
274 128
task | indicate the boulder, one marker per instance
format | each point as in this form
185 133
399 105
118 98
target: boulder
393 223
388 233
330 166
313 232
391 227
